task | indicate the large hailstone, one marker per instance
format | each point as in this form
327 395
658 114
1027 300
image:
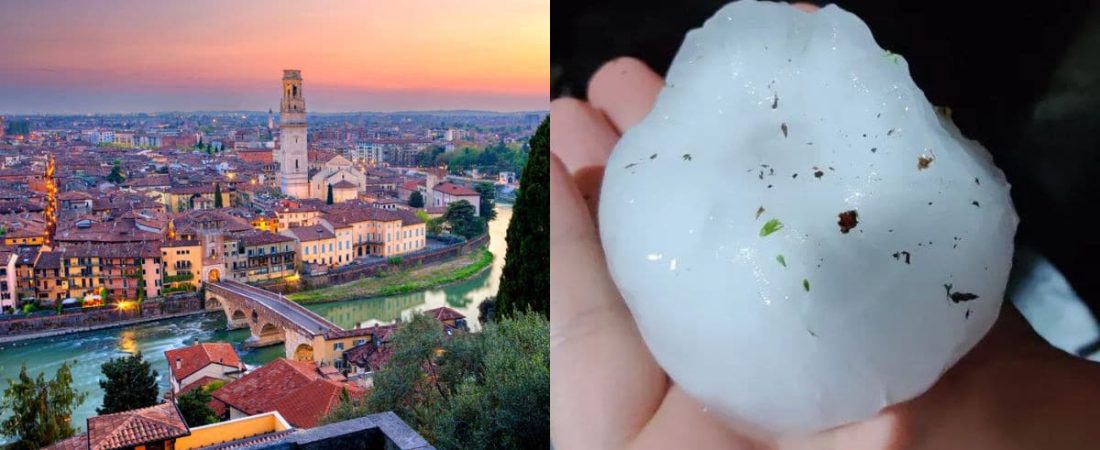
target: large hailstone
802 240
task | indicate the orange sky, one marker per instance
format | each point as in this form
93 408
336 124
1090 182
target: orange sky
376 55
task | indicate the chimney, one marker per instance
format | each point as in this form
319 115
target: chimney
179 363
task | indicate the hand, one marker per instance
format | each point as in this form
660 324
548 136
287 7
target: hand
1012 390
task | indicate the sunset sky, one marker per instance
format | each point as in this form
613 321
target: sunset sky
78 56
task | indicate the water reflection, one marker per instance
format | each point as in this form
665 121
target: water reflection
91 349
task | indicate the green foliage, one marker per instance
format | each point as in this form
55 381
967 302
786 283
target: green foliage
525 279
416 199
194 405
40 410
420 214
434 226
218 195
29 308
179 277
394 260
429 156
484 390
213 386
129 383
328 198
460 215
492 159
488 194
116 175
103 294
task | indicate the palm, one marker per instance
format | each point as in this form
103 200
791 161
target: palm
608 392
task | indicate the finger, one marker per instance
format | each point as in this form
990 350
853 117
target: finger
580 135
682 422
624 89
604 382
582 138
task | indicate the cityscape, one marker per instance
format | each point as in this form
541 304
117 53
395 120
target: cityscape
298 271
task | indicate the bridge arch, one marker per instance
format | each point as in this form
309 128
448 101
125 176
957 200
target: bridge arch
304 352
269 330
272 318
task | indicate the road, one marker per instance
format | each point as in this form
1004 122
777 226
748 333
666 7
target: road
297 314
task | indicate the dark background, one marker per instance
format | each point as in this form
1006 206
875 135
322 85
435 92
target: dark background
1024 80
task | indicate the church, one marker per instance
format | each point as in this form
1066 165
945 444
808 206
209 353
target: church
292 156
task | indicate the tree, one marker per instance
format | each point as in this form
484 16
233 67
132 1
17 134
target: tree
116 176
416 200
434 226
525 279
195 407
103 294
488 194
483 390
40 410
460 215
129 383
217 195
328 198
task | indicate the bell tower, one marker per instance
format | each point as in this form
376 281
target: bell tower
292 156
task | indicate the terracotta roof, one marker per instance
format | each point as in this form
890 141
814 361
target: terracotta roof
411 185
311 233
113 250
48 260
78 442
180 243
294 388
253 238
444 313
304 407
454 189
344 184
194 358
135 427
255 391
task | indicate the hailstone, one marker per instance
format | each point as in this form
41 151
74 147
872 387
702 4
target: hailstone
802 239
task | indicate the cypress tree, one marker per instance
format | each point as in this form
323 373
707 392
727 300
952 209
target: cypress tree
328 200
217 195
525 280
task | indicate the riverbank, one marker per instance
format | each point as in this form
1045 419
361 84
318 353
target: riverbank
46 334
401 282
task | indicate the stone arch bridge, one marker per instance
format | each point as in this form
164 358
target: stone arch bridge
271 317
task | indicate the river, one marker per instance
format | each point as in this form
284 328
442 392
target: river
91 349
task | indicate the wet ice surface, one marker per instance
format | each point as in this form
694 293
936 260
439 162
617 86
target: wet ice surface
837 244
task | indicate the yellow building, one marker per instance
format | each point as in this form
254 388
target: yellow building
182 260
317 244
377 231
231 430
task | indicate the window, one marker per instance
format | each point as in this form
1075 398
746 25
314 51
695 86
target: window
360 341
